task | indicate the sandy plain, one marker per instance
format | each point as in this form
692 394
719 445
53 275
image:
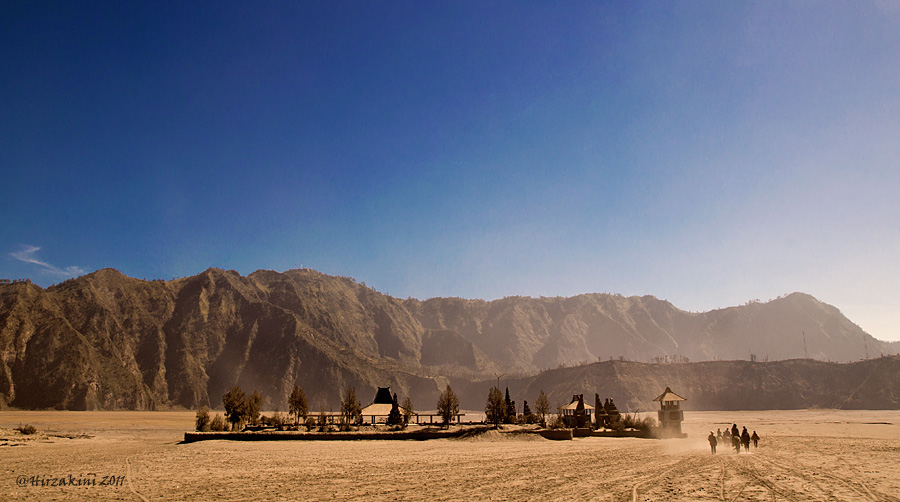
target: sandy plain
803 455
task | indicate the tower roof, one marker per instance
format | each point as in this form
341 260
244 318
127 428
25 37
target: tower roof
668 395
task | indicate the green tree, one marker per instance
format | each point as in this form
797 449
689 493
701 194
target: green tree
510 416
448 405
235 402
408 412
526 412
254 404
297 404
495 408
350 407
542 407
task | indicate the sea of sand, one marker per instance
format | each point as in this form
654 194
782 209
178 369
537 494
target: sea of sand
803 455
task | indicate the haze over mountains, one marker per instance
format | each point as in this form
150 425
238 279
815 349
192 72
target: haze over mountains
108 341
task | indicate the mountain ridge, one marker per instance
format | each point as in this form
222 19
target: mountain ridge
109 341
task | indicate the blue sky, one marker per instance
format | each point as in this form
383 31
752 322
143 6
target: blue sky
708 153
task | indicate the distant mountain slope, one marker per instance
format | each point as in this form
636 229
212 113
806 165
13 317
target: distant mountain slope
525 334
107 341
724 385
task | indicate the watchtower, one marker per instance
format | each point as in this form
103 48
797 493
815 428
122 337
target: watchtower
670 413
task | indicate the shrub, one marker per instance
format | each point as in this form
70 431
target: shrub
310 423
218 423
558 422
633 422
408 412
628 421
202 423
322 421
278 420
616 424
27 429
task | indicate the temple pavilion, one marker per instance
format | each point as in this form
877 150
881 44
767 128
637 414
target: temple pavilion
576 413
380 409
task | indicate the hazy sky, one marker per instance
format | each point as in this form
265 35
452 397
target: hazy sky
708 153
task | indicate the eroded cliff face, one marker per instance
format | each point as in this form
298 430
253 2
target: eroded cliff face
107 341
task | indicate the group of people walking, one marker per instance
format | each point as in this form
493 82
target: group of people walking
735 437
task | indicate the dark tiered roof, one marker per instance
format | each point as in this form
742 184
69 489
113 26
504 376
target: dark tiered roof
383 396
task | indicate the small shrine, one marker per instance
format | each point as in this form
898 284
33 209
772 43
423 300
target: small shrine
670 414
577 414
384 408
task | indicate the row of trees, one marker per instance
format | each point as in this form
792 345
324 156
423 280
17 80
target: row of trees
501 410
447 407
241 409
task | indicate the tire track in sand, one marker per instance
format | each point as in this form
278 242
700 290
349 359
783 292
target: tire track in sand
128 477
858 479
854 484
794 480
652 477
689 465
722 479
760 472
